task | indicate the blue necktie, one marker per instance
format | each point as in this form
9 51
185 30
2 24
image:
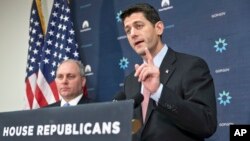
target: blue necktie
66 105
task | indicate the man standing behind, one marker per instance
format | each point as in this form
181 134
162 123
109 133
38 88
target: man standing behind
70 79
179 97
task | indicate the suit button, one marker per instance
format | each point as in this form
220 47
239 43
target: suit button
169 106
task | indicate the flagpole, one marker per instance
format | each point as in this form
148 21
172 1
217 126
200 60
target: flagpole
40 13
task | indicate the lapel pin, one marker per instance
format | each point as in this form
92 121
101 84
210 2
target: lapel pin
167 71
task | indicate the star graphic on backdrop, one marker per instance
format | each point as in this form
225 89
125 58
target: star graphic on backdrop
123 63
224 98
118 18
220 45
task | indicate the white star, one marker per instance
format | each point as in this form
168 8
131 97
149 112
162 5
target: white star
58 35
59 26
34 31
30 68
66 18
36 23
33 59
35 51
31 20
67 49
57 5
54 14
67 10
40 36
55 54
56 45
61 17
60 56
70 40
65 58
47 51
33 11
61 46
54 64
72 32
31 39
52 73
63 37
53 23
51 33
64 27
38 43
46 61
76 54
62 7
49 42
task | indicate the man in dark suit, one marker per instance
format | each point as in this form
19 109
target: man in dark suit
179 97
70 79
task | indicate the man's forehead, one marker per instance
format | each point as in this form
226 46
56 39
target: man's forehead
135 17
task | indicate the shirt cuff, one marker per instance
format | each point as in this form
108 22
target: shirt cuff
156 96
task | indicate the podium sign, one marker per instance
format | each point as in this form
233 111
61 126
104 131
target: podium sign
108 121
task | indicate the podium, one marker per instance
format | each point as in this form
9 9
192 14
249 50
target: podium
107 121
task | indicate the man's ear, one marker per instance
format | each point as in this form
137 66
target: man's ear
159 27
83 81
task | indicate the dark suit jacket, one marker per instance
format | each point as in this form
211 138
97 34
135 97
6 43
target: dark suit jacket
186 110
83 100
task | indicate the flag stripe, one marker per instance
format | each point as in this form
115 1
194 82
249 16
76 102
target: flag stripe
54 90
45 89
39 97
29 94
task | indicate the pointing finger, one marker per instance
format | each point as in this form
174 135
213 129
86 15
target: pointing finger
148 57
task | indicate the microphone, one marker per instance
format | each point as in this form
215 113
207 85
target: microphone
138 98
119 96
136 124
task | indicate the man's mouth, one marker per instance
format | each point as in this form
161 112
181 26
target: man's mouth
138 42
65 89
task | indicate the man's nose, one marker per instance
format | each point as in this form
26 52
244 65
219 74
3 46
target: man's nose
133 32
65 80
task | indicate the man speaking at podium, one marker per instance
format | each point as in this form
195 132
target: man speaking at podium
70 79
179 97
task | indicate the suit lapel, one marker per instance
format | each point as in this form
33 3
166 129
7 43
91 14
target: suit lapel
83 100
166 70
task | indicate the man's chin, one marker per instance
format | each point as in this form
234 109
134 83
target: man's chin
64 94
141 53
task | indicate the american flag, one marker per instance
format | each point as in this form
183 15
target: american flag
45 54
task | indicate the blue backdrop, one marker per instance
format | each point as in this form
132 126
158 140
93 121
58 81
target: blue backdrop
216 30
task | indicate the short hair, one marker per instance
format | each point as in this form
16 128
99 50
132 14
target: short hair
78 63
148 11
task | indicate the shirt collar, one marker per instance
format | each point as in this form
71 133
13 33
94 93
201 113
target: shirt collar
160 55
72 102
